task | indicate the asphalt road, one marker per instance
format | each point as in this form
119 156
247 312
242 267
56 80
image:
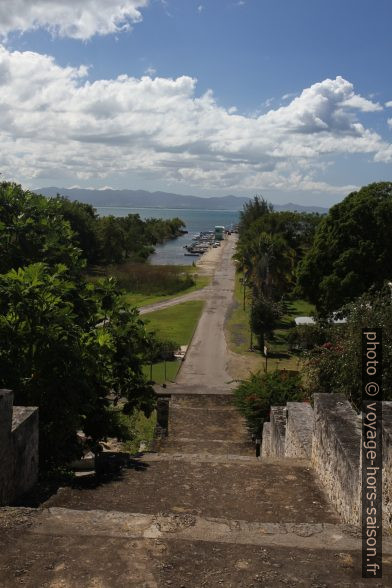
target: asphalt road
205 366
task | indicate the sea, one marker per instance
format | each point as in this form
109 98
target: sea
172 252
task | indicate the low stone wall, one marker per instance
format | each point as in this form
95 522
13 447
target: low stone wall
387 463
336 453
266 440
330 435
299 430
277 431
24 453
18 448
6 400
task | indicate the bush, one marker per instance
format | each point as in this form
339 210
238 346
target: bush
335 366
255 396
305 337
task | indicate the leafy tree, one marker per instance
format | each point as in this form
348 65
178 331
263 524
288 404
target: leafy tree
66 347
351 250
83 221
32 229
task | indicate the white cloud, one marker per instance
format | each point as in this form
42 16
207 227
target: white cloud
363 104
56 124
288 96
79 19
150 71
389 104
200 8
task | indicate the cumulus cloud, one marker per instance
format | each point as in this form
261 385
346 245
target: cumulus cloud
58 124
79 19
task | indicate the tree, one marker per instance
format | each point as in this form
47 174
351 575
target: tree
351 250
272 265
65 347
252 210
32 229
263 318
83 221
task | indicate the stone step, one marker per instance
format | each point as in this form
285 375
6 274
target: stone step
101 549
211 446
206 458
169 525
273 492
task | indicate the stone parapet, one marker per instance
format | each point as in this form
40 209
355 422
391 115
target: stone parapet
299 430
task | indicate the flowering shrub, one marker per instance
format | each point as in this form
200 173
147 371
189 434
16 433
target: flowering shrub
255 396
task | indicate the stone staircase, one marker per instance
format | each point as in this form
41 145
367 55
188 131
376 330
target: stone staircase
201 511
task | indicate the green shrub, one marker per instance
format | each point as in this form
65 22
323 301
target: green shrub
255 396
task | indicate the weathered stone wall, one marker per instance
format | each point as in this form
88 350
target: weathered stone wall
266 440
24 449
277 431
330 435
336 453
299 430
6 399
18 448
387 463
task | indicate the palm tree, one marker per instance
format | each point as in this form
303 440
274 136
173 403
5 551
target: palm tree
272 265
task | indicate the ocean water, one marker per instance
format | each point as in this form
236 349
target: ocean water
172 252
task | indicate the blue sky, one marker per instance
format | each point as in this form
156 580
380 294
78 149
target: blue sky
288 98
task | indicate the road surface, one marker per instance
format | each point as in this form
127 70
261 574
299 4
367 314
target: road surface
206 363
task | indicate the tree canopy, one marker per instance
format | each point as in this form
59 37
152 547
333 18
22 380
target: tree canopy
351 250
68 346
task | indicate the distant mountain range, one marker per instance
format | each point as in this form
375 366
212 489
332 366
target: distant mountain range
145 199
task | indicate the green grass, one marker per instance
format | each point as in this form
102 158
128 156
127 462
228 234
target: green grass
237 324
140 299
238 330
158 371
176 323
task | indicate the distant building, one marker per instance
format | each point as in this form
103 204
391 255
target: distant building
309 320
219 233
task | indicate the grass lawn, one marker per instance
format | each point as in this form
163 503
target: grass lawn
237 324
176 323
238 330
157 374
139 299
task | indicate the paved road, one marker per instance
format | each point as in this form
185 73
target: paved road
205 366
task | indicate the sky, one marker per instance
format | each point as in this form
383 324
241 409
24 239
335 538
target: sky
290 99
